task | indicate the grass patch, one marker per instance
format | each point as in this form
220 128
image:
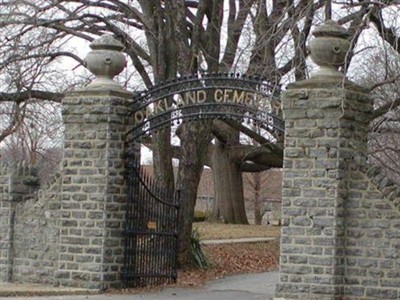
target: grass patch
217 231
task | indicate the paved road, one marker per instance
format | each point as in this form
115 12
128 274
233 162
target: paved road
241 287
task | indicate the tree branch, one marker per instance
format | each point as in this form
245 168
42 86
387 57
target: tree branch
235 27
384 109
262 155
250 133
386 33
20 97
387 81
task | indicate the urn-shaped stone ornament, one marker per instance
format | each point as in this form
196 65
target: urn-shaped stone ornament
329 48
105 61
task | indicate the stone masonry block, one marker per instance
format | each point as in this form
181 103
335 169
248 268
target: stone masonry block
314 250
388 293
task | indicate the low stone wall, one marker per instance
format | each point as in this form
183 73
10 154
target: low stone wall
36 233
5 221
372 236
29 226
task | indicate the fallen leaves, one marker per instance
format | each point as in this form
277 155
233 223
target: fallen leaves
232 259
226 260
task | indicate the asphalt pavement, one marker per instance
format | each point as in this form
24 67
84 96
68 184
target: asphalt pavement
240 287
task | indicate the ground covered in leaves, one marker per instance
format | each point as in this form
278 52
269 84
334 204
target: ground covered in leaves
229 258
232 259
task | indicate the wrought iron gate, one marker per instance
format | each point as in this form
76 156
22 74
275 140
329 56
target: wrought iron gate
151 227
151 231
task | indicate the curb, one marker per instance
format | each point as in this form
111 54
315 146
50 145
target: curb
36 290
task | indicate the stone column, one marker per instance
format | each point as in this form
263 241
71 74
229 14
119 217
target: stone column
93 192
326 127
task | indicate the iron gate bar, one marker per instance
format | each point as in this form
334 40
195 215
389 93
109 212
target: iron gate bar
150 255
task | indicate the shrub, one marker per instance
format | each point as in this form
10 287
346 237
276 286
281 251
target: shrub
200 216
196 252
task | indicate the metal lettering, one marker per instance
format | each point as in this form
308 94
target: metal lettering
218 95
190 97
249 98
139 116
238 96
227 95
201 96
196 97
159 106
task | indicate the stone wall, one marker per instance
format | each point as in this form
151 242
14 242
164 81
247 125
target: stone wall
340 237
5 222
372 236
28 234
36 233
70 232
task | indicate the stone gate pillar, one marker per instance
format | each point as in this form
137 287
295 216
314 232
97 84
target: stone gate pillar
326 127
93 195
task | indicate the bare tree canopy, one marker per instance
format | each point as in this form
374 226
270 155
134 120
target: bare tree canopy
167 38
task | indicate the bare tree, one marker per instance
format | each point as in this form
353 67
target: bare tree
37 140
168 38
381 73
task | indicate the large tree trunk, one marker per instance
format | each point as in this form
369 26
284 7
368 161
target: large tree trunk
162 159
195 136
228 185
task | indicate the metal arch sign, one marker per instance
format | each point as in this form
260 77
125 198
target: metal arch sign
214 96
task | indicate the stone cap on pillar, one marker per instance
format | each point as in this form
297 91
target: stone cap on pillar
105 61
329 49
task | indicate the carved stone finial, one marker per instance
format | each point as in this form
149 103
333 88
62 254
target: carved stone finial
105 61
329 48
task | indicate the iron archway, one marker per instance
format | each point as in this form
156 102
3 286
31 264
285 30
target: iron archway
212 96
151 225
